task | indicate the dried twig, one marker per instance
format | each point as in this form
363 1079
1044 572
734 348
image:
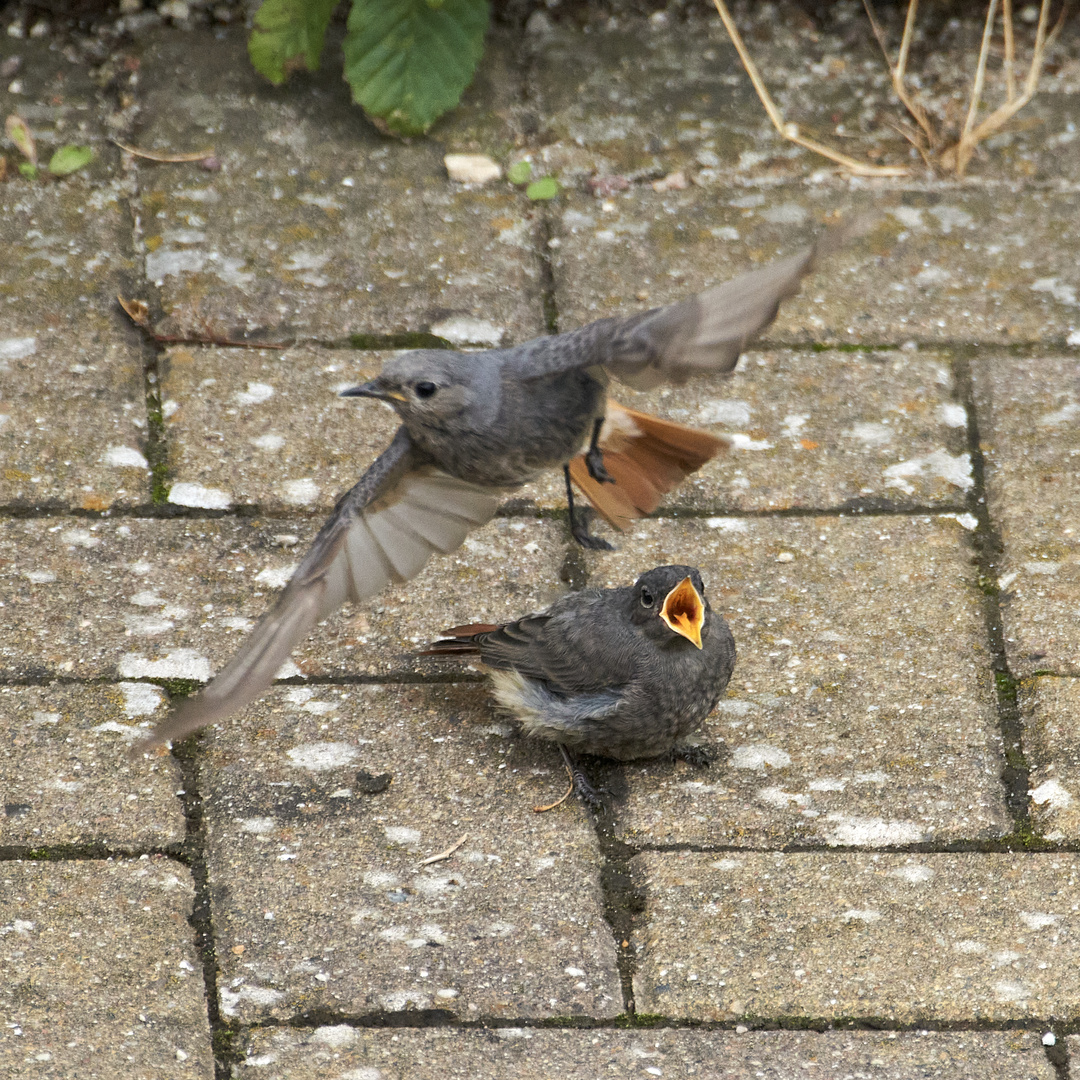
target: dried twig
444 854
558 802
791 131
153 155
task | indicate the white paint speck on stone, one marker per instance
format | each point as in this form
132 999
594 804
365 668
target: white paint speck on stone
140 699
1056 288
740 441
1009 991
334 1035
952 217
952 415
299 492
276 577
466 330
723 411
268 443
257 995
125 457
255 394
726 524
401 834
913 873
17 348
1052 795
257 826
323 756
827 783
871 831
1065 415
789 213
1038 920
83 538
954 470
39 577
178 664
760 755
870 434
861 915
185 494
147 625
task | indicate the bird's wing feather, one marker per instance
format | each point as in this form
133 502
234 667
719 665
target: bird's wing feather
703 334
401 512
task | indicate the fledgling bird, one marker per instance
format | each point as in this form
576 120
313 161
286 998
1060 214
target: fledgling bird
476 426
620 673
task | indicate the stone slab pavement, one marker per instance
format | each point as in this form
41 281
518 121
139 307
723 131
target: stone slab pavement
878 874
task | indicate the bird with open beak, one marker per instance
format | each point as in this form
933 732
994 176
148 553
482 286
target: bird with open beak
476 426
620 673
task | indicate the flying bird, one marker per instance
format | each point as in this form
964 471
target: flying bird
476 426
620 673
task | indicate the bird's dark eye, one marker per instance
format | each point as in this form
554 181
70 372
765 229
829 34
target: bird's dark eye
425 389
647 598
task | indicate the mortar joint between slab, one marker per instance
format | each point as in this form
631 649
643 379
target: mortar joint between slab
988 544
92 852
1058 1054
222 1034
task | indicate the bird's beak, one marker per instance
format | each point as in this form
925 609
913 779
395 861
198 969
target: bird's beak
684 611
372 390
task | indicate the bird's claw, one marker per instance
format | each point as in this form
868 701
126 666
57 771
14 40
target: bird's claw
700 757
594 462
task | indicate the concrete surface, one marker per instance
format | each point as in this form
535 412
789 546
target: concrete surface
877 875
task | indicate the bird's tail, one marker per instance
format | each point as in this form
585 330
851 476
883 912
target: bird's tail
646 457
460 641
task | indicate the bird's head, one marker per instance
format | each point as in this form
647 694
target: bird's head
671 600
430 386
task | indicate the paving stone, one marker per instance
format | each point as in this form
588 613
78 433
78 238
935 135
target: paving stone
268 427
534 1053
99 977
317 227
1051 711
76 436
1029 425
320 809
65 777
941 264
645 98
861 711
140 598
810 430
921 939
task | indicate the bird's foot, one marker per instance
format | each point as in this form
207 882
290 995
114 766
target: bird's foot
700 757
581 784
594 462
579 530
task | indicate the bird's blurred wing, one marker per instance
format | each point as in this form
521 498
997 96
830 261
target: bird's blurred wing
703 334
401 512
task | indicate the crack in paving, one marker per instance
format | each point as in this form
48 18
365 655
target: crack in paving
989 549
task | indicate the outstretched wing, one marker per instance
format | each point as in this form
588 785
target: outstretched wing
701 335
401 512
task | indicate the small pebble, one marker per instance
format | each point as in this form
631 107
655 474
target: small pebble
1049 1039
40 29
9 66
130 7
177 10
471 168
785 556
210 164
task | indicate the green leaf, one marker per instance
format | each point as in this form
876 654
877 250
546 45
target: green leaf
287 35
519 172
28 170
69 159
408 61
547 188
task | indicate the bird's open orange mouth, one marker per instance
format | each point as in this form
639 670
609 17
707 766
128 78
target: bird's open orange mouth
684 611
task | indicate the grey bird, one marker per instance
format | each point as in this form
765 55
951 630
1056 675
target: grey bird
476 426
620 673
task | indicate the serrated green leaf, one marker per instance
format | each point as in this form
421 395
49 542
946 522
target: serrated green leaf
545 188
287 35
408 62
69 159
519 172
28 170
